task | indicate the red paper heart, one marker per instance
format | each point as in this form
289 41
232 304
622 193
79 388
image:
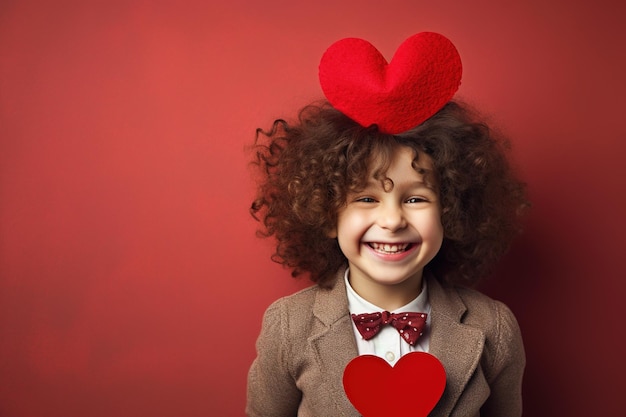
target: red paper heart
411 388
421 78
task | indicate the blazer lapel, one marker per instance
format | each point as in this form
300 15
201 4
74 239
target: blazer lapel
334 343
456 345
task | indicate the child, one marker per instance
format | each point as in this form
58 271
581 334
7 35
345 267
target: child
386 223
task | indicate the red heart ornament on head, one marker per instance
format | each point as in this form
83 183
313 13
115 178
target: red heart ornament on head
411 388
423 75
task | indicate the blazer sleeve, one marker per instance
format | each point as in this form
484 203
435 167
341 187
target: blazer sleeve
507 368
271 390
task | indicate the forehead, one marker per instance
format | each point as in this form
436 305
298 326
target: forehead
388 160
402 165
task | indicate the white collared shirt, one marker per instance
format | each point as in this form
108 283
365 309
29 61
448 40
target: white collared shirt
388 344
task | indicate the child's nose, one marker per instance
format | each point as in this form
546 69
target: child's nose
391 217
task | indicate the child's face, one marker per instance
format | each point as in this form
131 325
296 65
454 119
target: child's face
389 235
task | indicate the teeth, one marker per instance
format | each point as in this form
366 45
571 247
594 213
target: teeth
389 248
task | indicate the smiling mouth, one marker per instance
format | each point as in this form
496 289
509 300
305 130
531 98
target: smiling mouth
389 248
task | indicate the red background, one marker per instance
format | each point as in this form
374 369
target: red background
125 242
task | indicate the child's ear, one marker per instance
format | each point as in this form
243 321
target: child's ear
332 233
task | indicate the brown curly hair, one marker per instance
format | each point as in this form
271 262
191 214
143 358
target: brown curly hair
309 167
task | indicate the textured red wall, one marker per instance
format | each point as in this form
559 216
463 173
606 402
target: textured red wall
124 234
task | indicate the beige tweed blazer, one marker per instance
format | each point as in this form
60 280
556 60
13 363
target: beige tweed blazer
307 340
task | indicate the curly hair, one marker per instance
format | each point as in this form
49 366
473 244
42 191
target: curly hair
309 167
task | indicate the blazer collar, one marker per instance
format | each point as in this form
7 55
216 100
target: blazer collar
458 346
334 343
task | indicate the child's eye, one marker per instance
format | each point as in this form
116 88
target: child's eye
414 200
365 200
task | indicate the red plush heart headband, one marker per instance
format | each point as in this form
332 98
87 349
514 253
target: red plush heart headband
423 75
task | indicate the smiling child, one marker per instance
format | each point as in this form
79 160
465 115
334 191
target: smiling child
386 223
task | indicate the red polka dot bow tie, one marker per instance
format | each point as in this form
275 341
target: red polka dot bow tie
409 325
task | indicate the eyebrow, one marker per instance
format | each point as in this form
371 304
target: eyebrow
372 182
